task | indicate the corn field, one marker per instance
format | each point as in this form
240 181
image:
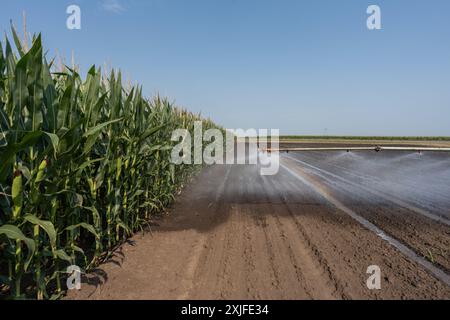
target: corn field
84 164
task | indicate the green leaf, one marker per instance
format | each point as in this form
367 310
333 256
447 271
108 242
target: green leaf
47 226
50 98
10 151
122 225
54 141
83 225
78 249
2 60
88 163
14 233
172 172
61 254
17 41
150 132
99 127
20 91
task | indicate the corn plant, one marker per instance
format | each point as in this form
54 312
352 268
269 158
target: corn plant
84 163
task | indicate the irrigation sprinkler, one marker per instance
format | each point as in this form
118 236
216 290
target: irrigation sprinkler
349 149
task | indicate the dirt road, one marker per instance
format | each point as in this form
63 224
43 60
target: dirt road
309 232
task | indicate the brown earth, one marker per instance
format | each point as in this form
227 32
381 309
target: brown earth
234 234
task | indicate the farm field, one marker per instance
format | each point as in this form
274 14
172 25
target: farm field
172 152
309 232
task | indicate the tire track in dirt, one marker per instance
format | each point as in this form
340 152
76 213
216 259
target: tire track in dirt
260 218
308 272
231 268
208 278
286 265
192 264
311 267
265 265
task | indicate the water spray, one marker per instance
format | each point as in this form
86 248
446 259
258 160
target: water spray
348 149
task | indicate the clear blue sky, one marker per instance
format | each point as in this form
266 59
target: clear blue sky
305 67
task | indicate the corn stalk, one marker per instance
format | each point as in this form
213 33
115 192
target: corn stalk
84 163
